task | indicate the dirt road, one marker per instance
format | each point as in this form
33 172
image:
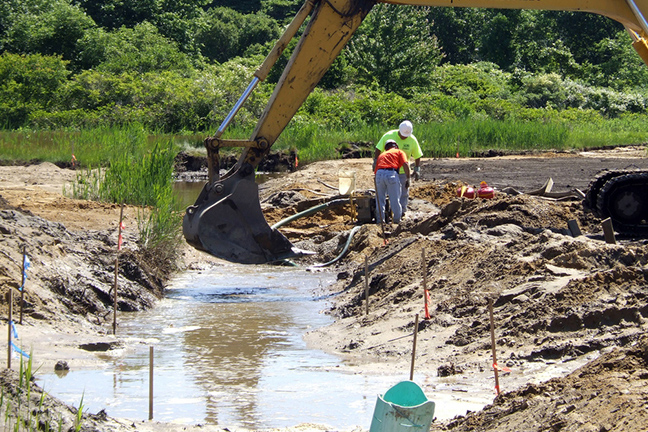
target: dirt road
568 170
559 301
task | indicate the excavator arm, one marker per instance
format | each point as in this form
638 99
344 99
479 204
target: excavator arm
226 219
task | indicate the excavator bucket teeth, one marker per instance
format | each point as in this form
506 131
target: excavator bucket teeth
227 222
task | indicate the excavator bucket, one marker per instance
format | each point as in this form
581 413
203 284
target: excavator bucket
227 222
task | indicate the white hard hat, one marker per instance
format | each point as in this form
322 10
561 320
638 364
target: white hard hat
406 128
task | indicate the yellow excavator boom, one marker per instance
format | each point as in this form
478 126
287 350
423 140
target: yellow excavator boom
226 220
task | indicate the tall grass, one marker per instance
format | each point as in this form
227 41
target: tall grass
139 178
87 184
78 419
139 173
148 181
473 137
626 130
314 140
90 147
159 229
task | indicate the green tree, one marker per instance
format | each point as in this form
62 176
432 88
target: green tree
28 83
242 6
175 19
113 14
169 101
140 49
179 29
339 73
458 31
224 33
53 30
178 20
539 47
395 48
281 10
497 44
11 10
581 32
548 58
618 65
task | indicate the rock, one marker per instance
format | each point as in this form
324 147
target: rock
61 365
99 346
286 199
449 369
522 298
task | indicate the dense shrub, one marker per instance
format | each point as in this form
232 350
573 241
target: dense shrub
223 33
50 28
395 47
139 49
28 83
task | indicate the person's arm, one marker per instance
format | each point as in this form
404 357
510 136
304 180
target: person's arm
375 160
417 168
417 154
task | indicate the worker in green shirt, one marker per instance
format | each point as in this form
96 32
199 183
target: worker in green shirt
408 143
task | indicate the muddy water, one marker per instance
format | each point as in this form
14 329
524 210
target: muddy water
228 350
187 192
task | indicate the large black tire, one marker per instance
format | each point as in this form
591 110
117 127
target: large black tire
594 190
624 199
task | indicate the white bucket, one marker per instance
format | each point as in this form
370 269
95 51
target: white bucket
347 182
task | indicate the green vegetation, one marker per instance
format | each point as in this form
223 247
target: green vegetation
176 67
19 412
21 415
139 160
118 164
78 419
137 175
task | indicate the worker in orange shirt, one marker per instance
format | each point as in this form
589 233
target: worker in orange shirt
388 163
408 143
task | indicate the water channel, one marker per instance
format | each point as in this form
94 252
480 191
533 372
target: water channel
229 351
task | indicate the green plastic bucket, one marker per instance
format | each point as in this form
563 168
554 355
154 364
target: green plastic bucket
404 407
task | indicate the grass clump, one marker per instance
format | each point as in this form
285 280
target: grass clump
142 176
22 412
27 408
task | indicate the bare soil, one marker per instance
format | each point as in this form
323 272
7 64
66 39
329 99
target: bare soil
577 302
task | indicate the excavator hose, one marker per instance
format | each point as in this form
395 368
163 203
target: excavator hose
311 211
344 250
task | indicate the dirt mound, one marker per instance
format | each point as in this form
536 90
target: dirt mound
72 273
555 295
190 167
558 299
608 394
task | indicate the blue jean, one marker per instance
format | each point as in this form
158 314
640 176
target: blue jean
388 183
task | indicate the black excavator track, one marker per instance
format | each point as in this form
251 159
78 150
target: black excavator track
621 196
